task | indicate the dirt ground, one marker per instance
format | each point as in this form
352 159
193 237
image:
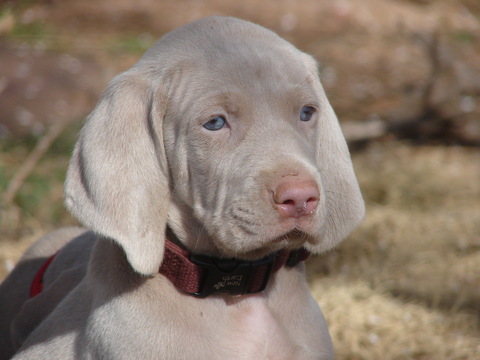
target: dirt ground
404 79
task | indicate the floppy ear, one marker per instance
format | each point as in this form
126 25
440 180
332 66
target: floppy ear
117 180
345 206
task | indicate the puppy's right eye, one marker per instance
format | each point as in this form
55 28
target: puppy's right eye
217 123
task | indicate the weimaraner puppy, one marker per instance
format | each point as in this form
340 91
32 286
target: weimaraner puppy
205 176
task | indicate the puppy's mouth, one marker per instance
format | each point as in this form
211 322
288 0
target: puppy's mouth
293 238
290 240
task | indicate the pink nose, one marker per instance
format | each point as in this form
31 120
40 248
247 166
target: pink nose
296 198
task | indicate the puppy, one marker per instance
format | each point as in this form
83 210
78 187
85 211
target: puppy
205 176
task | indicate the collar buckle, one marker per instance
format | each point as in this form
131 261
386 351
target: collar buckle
232 276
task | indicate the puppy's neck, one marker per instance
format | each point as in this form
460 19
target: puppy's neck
201 275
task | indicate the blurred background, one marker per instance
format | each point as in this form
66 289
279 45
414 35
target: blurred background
404 78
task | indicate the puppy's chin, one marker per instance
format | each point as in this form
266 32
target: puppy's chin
293 237
291 240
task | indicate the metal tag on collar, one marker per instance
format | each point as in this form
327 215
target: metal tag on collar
230 276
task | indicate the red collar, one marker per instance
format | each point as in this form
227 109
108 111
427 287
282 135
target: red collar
37 284
201 276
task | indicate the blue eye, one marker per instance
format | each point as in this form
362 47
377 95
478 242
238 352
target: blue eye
217 123
306 113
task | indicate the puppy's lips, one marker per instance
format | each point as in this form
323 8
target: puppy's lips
297 225
283 242
289 238
295 235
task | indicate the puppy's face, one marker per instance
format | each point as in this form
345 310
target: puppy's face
221 131
240 137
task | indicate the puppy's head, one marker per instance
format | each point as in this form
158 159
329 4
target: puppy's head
222 131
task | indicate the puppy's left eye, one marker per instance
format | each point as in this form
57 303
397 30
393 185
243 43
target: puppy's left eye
306 113
217 123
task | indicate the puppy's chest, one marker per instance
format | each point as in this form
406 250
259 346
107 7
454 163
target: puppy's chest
213 329
255 331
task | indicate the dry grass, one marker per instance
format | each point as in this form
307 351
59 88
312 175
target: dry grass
405 285
369 324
